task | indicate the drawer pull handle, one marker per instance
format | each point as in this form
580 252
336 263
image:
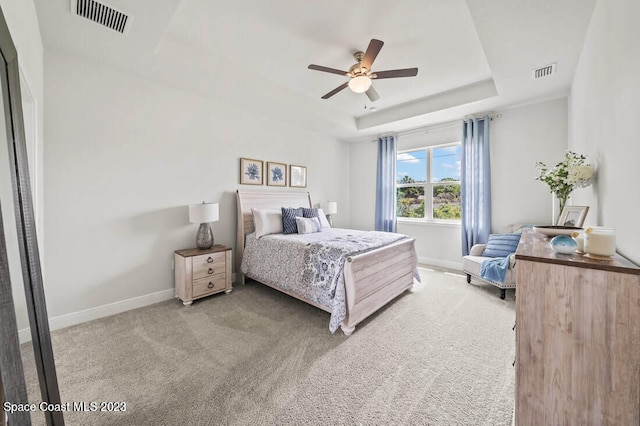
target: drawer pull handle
210 285
210 271
209 259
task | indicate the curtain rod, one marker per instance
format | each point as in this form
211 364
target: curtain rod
437 126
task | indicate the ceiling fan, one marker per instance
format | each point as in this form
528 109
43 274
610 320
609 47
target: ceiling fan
360 74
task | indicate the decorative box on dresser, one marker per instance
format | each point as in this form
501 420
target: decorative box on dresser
200 273
577 338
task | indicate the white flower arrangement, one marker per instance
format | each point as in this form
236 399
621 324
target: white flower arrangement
581 175
573 172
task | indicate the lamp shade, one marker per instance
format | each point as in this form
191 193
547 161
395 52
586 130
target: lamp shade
203 213
360 84
332 207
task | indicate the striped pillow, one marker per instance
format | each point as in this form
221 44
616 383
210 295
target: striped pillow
308 225
501 245
289 215
316 212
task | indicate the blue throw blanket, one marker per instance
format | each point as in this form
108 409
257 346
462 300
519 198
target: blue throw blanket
495 269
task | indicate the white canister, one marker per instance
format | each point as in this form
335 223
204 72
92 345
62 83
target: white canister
600 241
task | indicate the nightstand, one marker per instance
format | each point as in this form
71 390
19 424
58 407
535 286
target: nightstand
200 273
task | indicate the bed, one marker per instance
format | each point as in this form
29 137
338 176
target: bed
368 281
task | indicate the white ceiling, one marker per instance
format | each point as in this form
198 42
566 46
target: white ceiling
473 56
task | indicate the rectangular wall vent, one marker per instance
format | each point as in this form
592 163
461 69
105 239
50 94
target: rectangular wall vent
101 14
545 71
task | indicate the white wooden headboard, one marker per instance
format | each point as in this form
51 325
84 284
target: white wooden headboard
247 200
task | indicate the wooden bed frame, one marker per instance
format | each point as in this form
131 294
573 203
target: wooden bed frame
371 279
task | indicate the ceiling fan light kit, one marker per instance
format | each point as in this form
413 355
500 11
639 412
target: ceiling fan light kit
360 74
359 84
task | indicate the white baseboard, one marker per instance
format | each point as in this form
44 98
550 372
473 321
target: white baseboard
440 263
79 317
85 315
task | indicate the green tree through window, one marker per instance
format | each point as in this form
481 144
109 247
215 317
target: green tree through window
422 192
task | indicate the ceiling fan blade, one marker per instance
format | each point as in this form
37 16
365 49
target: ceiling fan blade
326 69
336 90
372 94
371 53
407 72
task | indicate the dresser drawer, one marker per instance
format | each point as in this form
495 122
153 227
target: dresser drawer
208 265
208 285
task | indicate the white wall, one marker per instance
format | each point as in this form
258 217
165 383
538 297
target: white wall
25 31
23 24
519 138
125 156
603 114
362 174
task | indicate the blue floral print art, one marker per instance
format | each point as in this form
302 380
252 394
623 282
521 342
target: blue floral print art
253 173
277 175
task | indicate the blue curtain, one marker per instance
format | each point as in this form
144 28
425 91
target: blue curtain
476 183
386 185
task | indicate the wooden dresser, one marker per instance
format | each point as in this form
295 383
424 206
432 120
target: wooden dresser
200 273
577 338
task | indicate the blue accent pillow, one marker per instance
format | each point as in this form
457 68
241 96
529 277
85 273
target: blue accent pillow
289 215
501 245
309 213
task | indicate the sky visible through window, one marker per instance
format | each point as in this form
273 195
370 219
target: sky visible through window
446 164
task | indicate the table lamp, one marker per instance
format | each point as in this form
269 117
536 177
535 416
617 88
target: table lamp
331 209
203 214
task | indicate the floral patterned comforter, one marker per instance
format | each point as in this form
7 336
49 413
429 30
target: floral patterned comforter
311 265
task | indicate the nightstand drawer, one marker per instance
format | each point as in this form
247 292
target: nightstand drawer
208 265
208 285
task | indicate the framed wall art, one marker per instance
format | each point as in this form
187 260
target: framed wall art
251 171
297 176
573 216
276 174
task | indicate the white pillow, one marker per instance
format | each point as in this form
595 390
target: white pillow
323 219
308 225
267 221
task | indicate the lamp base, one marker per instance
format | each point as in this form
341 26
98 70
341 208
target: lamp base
330 220
204 239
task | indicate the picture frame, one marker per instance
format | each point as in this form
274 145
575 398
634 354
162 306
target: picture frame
297 176
276 174
573 216
251 171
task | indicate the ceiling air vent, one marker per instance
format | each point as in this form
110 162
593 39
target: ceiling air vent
545 71
101 14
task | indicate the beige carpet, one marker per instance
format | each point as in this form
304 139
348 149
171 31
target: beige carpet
440 354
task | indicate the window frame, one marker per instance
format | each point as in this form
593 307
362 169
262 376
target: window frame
428 186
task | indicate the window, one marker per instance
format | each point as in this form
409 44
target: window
428 183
